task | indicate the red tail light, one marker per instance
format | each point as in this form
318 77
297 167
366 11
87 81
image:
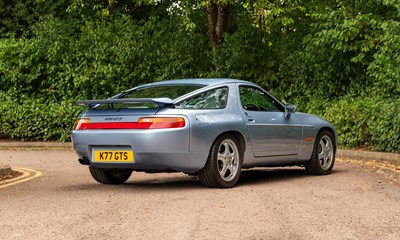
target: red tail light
82 123
142 123
161 122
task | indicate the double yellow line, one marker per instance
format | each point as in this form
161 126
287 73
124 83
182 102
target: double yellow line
27 175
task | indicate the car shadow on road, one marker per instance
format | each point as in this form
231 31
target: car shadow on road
169 182
270 175
165 182
151 182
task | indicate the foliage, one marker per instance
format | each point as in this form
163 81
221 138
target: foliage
337 59
373 123
97 59
17 16
33 119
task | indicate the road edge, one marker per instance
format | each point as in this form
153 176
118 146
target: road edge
367 155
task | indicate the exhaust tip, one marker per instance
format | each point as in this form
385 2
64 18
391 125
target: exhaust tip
84 161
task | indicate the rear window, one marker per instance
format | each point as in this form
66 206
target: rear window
160 91
164 91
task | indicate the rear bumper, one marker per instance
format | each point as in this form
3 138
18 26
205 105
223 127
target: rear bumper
154 150
180 162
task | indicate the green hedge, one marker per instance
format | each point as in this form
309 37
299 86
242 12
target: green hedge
37 120
365 122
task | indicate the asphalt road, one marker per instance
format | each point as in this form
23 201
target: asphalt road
354 202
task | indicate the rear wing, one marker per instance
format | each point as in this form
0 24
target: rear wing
93 103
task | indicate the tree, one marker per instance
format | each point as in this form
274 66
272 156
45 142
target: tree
217 18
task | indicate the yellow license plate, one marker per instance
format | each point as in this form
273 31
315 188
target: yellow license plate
113 156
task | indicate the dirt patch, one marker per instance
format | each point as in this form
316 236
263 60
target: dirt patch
383 170
10 175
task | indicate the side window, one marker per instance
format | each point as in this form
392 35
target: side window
253 99
213 99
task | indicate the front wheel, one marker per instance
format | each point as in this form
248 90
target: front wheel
224 163
110 176
323 156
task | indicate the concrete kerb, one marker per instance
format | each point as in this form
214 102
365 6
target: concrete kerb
367 155
51 145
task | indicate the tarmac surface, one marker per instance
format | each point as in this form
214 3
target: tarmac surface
58 199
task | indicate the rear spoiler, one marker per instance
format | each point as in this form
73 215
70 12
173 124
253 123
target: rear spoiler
92 103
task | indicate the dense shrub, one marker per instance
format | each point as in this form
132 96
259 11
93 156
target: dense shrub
33 119
364 122
97 58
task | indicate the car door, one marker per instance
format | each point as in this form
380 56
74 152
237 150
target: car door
271 133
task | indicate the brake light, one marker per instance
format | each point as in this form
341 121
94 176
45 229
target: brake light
161 122
81 123
142 123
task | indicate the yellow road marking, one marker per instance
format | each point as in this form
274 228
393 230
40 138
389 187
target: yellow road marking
27 175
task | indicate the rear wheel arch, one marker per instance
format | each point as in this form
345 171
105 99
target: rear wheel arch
238 136
223 166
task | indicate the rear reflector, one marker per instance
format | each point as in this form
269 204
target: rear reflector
143 123
112 125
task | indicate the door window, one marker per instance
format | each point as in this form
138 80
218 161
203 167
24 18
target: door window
254 99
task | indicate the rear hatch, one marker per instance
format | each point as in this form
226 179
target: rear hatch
126 131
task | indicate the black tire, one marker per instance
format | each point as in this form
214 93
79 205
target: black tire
110 176
224 163
323 155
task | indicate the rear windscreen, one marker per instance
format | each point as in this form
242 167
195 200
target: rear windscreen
160 91
164 91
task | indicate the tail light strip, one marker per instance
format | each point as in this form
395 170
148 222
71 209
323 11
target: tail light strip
142 123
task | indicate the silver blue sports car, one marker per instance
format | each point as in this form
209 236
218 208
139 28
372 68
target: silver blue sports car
212 128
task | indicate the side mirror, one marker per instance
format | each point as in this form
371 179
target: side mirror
289 109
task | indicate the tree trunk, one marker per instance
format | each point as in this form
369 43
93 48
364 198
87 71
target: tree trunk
217 16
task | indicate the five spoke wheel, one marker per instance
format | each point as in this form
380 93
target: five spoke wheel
228 159
325 152
323 156
224 163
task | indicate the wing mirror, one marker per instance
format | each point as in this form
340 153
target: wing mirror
289 109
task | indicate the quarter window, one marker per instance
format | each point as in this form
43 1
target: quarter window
213 99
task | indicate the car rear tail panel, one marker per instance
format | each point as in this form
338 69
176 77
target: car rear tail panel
150 137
